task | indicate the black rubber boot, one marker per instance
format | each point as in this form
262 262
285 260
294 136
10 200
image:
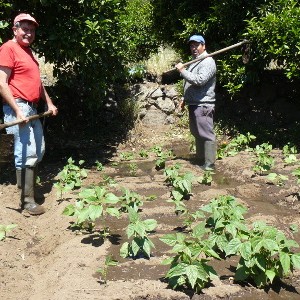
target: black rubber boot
210 156
27 198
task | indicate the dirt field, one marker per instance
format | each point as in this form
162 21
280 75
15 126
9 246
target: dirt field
42 258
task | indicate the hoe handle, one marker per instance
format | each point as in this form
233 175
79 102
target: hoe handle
211 54
34 117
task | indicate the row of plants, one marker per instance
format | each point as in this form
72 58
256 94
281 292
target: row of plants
217 231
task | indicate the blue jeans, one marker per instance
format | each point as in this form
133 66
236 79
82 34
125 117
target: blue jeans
29 144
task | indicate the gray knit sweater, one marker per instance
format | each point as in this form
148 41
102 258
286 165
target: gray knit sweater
200 82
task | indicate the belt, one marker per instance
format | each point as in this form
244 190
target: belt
29 103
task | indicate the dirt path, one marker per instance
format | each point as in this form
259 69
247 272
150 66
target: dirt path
43 259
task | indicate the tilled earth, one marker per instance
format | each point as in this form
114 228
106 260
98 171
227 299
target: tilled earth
43 258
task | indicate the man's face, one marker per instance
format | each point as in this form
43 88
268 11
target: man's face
25 34
196 48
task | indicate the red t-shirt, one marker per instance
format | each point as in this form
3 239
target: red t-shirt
25 81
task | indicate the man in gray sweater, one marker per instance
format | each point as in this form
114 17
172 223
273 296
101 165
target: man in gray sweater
199 95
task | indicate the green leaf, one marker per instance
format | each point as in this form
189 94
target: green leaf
135 247
113 212
199 230
124 250
95 211
241 273
296 260
233 246
111 198
150 224
2 235
169 239
271 275
147 248
192 274
167 261
285 261
245 250
69 210
140 229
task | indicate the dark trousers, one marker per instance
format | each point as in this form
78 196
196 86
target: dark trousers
202 122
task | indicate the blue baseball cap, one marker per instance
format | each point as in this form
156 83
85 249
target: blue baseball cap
197 38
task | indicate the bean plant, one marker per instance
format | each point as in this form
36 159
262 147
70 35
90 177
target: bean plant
225 218
265 254
236 145
130 199
188 266
70 177
138 230
92 204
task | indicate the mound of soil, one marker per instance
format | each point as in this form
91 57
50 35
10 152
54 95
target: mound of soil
44 258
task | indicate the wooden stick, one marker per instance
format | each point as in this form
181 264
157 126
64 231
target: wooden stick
210 54
30 118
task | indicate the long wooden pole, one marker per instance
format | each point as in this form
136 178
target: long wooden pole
30 118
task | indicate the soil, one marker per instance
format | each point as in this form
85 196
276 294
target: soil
44 258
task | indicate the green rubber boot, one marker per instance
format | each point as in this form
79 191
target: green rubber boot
210 156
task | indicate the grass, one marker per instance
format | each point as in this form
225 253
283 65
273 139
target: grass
161 61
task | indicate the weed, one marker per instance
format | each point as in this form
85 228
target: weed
109 262
4 229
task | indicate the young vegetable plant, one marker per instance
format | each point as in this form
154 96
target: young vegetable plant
70 177
138 230
130 199
289 152
235 146
225 220
162 157
189 268
277 179
109 262
93 203
172 173
265 255
206 178
4 229
99 165
126 156
264 161
143 153
297 174
133 169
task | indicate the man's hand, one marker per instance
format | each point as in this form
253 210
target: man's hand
180 67
53 108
